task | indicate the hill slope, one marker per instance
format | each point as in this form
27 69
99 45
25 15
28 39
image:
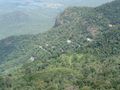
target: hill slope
81 52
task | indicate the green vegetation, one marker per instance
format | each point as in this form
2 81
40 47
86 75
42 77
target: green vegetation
81 52
67 72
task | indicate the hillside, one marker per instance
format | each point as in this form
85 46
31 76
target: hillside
81 52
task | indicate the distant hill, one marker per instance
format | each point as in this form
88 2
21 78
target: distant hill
41 14
14 18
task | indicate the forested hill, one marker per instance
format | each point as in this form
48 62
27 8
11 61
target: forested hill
81 52
112 8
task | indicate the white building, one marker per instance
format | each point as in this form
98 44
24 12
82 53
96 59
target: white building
69 41
110 25
32 59
89 39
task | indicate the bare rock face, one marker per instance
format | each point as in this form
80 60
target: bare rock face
93 30
65 17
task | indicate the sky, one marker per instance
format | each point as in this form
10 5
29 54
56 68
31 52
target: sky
64 2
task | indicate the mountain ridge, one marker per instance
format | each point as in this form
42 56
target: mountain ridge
81 52
90 24
38 11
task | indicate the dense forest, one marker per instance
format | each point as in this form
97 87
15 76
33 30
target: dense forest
80 52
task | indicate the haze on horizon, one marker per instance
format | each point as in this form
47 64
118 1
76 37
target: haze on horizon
34 16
